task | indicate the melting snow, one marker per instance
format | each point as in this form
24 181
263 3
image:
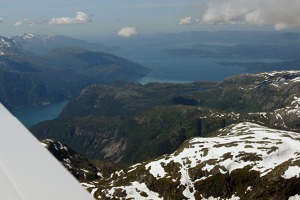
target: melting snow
296 197
134 191
43 144
87 185
292 171
266 149
84 170
156 169
93 191
269 79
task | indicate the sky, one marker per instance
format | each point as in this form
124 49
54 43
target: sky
129 18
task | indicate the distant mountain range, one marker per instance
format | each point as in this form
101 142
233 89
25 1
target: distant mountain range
9 47
41 44
218 38
28 79
240 51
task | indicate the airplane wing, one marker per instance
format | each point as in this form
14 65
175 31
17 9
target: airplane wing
28 171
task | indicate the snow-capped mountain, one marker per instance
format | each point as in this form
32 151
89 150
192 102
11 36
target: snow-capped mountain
244 161
270 98
9 47
25 36
79 166
241 161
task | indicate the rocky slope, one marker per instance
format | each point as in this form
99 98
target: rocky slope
125 99
272 90
128 123
139 137
79 166
244 161
88 173
241 161
273 97
264 92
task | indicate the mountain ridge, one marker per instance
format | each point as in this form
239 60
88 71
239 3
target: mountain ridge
60 75
203 171
9 47
132 123
42 44
239 162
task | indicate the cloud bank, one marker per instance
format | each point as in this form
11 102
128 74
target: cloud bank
27 22
278 13
80 18
127 31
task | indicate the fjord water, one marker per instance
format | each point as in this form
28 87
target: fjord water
189 69
177 69
31 115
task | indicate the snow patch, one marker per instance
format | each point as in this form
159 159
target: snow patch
94 191
296 197
156 169
291 172
87 185
136 191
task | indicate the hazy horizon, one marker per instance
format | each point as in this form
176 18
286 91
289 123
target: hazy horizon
131 18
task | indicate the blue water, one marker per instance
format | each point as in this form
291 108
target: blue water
168 68
188 70
31 115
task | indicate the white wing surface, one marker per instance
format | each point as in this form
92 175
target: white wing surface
28 171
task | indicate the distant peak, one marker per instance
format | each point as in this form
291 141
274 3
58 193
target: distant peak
8 46
28 35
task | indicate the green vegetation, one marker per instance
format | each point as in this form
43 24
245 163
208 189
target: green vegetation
129 122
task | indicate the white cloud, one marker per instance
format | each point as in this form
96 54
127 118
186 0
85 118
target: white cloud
1 20
281 14
185 21
80 18
27 22
19 23
127 31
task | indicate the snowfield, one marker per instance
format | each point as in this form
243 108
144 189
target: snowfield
240 146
